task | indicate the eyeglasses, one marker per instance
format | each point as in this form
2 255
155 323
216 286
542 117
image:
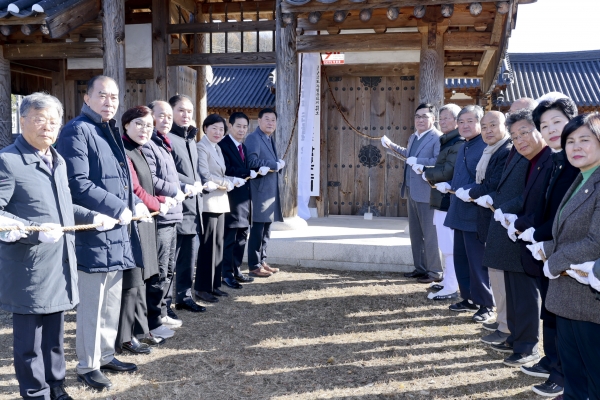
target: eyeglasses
521 135
39 121
423 116
141 126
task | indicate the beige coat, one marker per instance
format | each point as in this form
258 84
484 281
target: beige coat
211 167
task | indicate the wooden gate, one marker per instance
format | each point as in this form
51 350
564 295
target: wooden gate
375 106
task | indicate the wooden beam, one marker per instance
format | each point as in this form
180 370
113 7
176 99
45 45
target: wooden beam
28 51
486 58
495 38
46 65
461 72
113 35
466 41
249 7
189 5
132 74
23 69
214 27
5 102
358 42
37 20
72 18
157 88
221 59
352 5
58 84
405 69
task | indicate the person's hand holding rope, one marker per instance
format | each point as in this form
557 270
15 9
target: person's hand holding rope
52 233
142 211
105 222
125 217
14 235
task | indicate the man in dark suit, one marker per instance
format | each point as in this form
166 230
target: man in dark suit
237 221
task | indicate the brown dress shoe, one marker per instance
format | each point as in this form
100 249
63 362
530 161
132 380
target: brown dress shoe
260 273
268 268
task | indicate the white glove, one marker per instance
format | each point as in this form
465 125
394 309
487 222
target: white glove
163 209
170 202
418 168
125 217
512 232
463 194
587 267
484 201
229 185
443 187
180 196
527 235
237 182
411 161
584 280
198 185
594 282
53 235
142 211
424 178
210 186
107 222
535 249
192 190
263 170
547 271
253 174
385 142
12 236
280 165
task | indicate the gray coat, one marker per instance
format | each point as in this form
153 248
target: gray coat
501 252
576 233
37 278
427 153
266 205
211 167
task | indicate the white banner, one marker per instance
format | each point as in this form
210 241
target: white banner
309 130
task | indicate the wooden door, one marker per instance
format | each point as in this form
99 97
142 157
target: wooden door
375 106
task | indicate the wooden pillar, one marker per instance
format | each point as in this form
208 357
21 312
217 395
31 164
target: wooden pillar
157 88
113 35
59 85
287 104
201 100
5 102
431 74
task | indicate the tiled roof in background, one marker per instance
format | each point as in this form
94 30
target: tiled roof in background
29 8
240 87
576 74
462 83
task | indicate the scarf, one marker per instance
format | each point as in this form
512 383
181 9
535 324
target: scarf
488 152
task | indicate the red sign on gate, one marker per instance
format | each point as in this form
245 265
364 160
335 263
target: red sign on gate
333 58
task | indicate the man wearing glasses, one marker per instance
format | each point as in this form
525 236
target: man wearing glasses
422 150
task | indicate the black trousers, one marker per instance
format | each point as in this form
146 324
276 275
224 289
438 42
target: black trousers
523 305
166 239
235 243
473 278
260 233
38 350
580 356
133 318
551 359
210 254
154 299
186 263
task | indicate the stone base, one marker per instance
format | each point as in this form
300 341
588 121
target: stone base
289 224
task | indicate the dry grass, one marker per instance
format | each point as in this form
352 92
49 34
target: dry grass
310 334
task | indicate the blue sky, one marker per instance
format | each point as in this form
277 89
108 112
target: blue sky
556 25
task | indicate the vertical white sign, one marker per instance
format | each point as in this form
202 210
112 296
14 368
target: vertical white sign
315 159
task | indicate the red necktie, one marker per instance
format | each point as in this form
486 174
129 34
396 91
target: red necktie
241 152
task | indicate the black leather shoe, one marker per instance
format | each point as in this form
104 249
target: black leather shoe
244 278
153 340
59 393
205 296
415 274
136 347
118 366
219 292
232 283
95 379
190 305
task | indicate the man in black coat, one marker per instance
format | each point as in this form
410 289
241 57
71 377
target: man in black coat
237 220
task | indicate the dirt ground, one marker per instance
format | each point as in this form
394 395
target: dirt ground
309 334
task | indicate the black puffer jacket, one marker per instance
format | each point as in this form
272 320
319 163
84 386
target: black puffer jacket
443 170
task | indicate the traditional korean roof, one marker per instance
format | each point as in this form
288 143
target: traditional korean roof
462 83
29 8
241 87
576 74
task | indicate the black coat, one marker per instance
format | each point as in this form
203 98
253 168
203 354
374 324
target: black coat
239 198
185 155
493 173
501 252
147 229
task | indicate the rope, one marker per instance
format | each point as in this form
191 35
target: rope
297 111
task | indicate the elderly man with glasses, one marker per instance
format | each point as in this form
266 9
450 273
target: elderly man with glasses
422 150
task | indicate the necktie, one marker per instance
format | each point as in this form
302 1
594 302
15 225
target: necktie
241 152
